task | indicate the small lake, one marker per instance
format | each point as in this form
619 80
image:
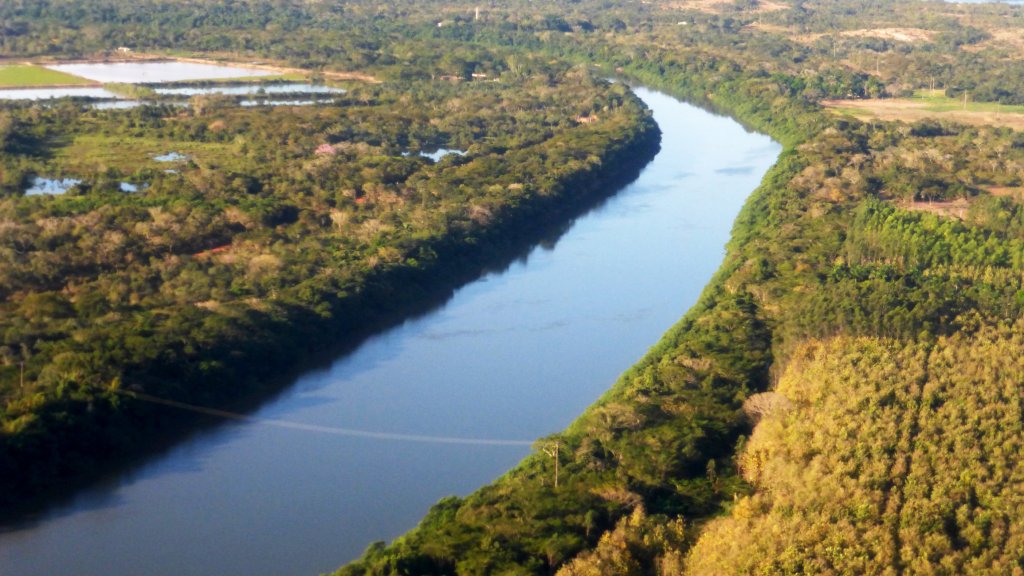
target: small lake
47 93
170 157
436 155
251 103
250 89
357 451
57 186
156 72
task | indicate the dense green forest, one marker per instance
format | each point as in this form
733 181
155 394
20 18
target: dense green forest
843 399
276 228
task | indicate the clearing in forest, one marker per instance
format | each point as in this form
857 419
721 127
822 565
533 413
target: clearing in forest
90 152
923 107
907 35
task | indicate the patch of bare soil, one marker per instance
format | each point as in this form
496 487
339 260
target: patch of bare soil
1006 191
1010 40
719 6
906 110
908 35
953 209
771 29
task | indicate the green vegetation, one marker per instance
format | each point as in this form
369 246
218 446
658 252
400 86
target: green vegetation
28 76
942 103
280 226
869 334
881 456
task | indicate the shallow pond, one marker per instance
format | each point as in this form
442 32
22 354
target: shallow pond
51 186
251 103
436 155
155 72
170 157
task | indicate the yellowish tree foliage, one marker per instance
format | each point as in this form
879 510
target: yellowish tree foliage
896 457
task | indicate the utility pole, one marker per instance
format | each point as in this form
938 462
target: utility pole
965 99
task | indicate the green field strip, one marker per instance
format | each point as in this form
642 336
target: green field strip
31 76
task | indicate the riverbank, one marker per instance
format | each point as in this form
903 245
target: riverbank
661 440
112 426
513 356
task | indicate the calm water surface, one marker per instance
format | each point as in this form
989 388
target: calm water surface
145 72
515 355
438 154
264 102
50 186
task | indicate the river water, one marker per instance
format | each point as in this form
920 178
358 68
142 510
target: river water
358 451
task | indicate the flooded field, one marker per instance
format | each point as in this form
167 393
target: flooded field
157 72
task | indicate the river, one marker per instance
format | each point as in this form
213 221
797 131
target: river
358 451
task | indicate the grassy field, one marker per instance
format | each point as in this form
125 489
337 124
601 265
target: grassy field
937 101
925 105
92 153
28 76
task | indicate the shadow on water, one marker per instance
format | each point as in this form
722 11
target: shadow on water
98 490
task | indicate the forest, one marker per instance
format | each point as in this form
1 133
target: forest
851 375
272 230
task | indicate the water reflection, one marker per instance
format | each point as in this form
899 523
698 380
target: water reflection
51 186
153 72
515 355
250 103
437 155
440 153
170 157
